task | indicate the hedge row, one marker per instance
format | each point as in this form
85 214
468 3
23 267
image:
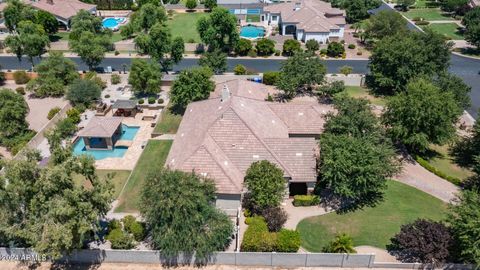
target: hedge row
438 173
257 238
305 200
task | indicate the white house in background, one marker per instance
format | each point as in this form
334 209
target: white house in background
307 19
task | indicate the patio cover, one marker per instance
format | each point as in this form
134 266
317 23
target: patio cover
101 127
124 104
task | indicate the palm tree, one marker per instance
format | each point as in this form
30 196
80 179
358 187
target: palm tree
343 243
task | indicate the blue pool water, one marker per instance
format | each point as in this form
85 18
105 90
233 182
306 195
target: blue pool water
112 23
251 31
128 133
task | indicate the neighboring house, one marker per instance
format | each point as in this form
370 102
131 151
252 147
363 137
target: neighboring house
63 10
474 3
307 19
221 137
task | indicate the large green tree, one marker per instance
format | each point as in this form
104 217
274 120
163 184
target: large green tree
398 58
48 21
357 10
191 85
44 207
448 82
84 21
466 149
15 12
265 184
472 34
421 115
54 73
300 73
219 29
216 60
13 110
83 91
456 6
31 40
178 208
145 77
385 23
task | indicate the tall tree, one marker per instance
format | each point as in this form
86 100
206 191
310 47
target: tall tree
265 184
385 23
45 209
13 110
83 91
448 82
48 21
421 115
145 18
300 73
31 41
472 17
472 34
215 60
422 241
457 6
145 77
84 21
191 85
397 59
199 227
15 12
468 147
219 29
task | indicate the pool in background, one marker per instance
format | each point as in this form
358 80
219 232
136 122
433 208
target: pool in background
251 31
113 23
128 134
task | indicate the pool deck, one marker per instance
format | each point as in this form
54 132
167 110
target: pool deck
129 160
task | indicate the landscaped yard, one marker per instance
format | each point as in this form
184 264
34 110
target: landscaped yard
152 159
118 180
63 36
168 122
185 25
373 226
429 14
361 92
450 30
443 162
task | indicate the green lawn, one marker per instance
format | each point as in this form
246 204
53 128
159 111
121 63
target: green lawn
361 92
450 30
373 226
185 25
63 36
168 122
118 180
429 14
442 161
152 159
253 18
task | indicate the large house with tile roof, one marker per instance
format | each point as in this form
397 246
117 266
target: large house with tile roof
221 137
307 19
63 10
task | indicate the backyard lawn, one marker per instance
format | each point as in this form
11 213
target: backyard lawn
185 25
429 14
152 159
373 226
168 122
450 30
118 180
442 161
253 18
361 92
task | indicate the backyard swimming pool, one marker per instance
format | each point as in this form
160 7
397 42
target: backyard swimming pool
113 23
128 134
251 31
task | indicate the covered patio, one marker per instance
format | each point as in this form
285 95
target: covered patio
124 107
101 133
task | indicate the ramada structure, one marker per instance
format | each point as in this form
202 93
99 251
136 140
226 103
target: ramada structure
221 137
307 19
101 133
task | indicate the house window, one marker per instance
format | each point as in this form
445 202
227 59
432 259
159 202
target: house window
274 18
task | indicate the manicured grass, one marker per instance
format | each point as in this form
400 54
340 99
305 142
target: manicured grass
168 122
253 18
118 180
450 30
361 92
64 36
429 14
185 25
152 159
442 161
373 226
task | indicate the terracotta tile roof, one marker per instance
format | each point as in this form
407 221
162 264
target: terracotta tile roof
244 88
101 127
65 9
309 15
221 138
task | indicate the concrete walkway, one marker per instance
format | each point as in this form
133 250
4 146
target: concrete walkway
296 214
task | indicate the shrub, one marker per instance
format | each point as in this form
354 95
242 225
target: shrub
21 77
345 70
127 221
141 101
335 49
438 173
277 52
240 70
323 51
131 225
117 52
120 239
107 96
116 79
20 90
52 112
351 46
191 4
252 53
2 78
114 224
291 46
92 75
74 114
66 127
305 200
243 47
160 101
257 238
271 77
247 213
416 19
359 53
288 241
422 23
151 100
269 98
275 218
265 47
342 243
312 45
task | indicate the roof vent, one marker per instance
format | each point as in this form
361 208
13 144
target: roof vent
300 113
297 6
225 93
298 154
256 156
